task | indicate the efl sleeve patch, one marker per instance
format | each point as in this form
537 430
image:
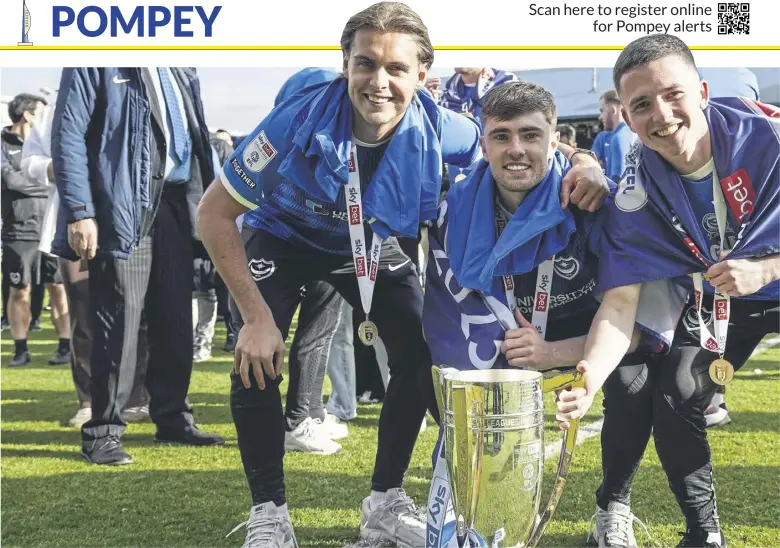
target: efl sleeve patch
258 153
244 173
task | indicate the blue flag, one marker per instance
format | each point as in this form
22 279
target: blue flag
651 232
459 97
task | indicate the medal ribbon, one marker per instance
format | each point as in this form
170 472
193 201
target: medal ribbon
722 303
365 269
544 276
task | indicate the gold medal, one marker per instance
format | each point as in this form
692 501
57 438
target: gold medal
721 372
368 333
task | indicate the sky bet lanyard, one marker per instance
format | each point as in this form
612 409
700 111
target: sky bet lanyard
364 270
544 276
721 371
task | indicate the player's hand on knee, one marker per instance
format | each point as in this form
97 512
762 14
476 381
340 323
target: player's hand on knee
259 348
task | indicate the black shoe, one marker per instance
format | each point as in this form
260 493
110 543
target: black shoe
4 324
189 435
35 325
106 451
60 357
20 359
230 343
698 539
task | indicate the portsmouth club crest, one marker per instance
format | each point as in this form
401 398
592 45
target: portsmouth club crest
566 267
26 23
261 269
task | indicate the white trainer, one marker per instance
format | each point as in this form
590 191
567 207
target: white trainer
396 520
83 415
310 437
201 354
615 527
269 526
334 428
136 414
366 398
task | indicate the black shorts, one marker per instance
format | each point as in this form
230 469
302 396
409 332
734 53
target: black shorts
23 264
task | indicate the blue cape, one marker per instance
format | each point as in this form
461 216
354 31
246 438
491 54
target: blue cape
538 230
640 242
405 188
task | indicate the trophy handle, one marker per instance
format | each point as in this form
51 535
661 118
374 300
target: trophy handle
438 374
437 389
570 379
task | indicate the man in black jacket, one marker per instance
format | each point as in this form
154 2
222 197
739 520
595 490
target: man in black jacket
23 206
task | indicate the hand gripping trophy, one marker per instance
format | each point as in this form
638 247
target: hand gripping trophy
494 449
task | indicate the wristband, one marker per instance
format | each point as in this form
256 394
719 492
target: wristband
583 151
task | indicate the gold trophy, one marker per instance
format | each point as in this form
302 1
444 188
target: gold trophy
494 446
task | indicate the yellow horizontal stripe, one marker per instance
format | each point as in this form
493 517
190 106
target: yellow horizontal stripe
234 193
336 48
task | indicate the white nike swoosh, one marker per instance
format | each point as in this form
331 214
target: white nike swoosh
393 268
118 80
12 152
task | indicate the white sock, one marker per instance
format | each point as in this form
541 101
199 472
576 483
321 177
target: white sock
377 498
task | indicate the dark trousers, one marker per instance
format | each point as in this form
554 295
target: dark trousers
223 304
308 359
155 279
397 312
6 288
37 294
668 397
76 283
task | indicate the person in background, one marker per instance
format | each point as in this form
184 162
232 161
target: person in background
466 89
206 286
128 211
568 135
23 206
600 146
37 165
616 148
463 93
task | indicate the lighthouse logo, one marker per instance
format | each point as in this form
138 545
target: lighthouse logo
26 22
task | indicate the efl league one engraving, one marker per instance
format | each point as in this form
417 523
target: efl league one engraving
26 23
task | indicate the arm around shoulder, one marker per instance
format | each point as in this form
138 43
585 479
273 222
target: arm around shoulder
459 139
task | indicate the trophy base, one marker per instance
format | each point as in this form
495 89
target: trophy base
24 43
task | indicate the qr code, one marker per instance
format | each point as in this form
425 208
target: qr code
733 18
